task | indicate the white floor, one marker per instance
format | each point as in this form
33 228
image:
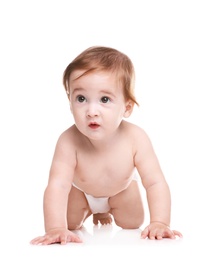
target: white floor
102 242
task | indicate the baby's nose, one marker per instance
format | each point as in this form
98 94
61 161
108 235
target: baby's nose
93 110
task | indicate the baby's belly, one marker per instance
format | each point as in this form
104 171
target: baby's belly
102 186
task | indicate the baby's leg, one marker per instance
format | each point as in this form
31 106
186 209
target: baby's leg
77 209
127 208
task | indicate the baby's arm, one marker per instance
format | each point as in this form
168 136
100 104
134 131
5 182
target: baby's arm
158 196
157 190
56 196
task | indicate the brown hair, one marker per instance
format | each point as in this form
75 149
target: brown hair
99 58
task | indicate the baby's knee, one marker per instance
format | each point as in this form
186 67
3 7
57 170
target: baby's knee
132 223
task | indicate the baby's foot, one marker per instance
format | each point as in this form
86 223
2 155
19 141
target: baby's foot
103 218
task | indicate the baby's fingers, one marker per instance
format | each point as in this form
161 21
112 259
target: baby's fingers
145 233
37 240
168 234
71 238
159 235
42 240
177 233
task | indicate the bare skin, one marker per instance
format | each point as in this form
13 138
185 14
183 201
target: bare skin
99 154
102 218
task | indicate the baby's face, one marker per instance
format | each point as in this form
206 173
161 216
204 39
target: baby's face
97 103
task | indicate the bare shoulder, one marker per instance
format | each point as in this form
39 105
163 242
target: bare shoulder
139 139
70 136
67 141
66 147
135 132
144 154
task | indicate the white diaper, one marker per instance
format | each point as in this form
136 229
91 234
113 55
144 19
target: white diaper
100 205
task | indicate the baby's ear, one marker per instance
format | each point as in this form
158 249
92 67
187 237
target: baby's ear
128 108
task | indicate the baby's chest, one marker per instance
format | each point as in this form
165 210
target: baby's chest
105 163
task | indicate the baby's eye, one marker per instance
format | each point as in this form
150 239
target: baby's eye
105 99
81 99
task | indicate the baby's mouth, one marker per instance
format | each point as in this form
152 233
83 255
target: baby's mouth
94 125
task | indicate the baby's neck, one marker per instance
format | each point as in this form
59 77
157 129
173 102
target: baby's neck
104 144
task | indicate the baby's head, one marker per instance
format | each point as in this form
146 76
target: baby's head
99 58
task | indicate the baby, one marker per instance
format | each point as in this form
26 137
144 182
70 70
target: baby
96 161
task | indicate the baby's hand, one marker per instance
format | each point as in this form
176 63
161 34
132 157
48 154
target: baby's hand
57 235
157 230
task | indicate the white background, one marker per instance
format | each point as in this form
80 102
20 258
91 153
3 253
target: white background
169 44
